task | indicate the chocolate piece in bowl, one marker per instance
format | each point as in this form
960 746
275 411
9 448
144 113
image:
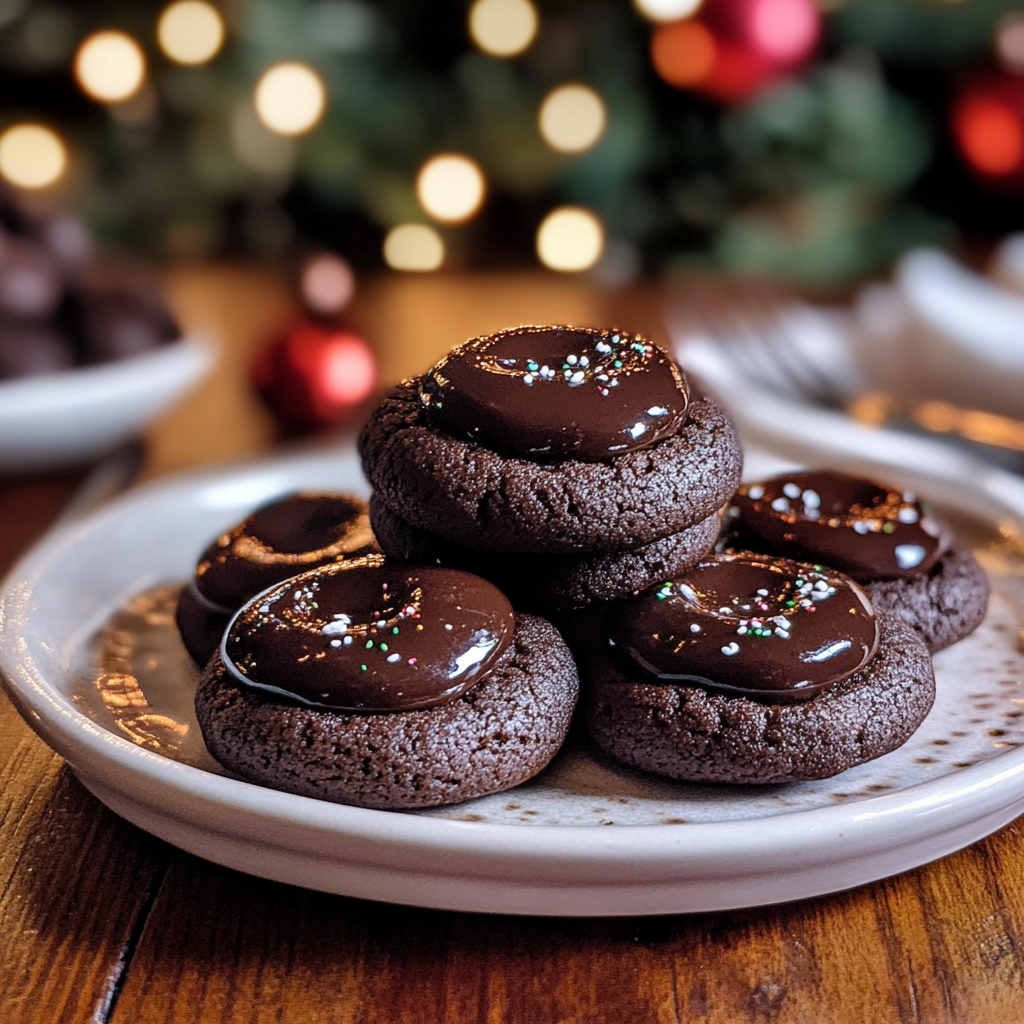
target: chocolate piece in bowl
388 686
31 279
551 440
751 669
885 538
281 539
28 350
118 323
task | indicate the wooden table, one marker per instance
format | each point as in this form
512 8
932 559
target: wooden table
101 922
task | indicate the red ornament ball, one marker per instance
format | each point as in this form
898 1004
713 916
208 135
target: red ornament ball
315 375
988 127
735 48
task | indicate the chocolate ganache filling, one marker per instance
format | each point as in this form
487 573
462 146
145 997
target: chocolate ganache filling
862 528
370 636
746 625
556 393
279 540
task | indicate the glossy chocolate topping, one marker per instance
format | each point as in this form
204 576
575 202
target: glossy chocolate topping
279 540
862 528
371 637
765 628
556 393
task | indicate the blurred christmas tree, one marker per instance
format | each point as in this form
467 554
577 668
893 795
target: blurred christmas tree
815 140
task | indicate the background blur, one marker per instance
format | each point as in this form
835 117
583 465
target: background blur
814 140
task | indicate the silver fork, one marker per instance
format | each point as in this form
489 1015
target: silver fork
794 349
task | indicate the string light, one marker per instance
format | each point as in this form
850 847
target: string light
190 31
110 66
413 247
31 156
683 53
1010 42
572 118
667 10
502 28
450 187
327 284
570 238
290 98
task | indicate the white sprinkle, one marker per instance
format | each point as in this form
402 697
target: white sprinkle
724 610
781 621
394 657
347 641
812 499
694 628
755 493
638 429
603 346
571 360
821 585
528 378
762 592
584 361
657 410
264 609
908 515
791 491
861 527
731 649
577 377
381 623
780 505
909 555
782 633
448 625
335 643
741 631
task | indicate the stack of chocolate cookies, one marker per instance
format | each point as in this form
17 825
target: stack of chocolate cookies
575 471
570 467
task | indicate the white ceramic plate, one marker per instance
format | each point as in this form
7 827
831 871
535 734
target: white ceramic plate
62 419
584 838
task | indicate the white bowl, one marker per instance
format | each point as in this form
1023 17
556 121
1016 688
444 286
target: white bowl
62 419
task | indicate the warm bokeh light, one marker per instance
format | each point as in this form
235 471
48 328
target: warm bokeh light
1010 42
502 28
290 98
683 53
667 10
190 31
450 187
327 283
31 156
572 118
413 247
990 134
784 31
570 238
110 66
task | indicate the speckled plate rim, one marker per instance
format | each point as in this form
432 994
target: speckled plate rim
436 862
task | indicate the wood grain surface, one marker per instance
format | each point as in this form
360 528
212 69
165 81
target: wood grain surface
101 923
